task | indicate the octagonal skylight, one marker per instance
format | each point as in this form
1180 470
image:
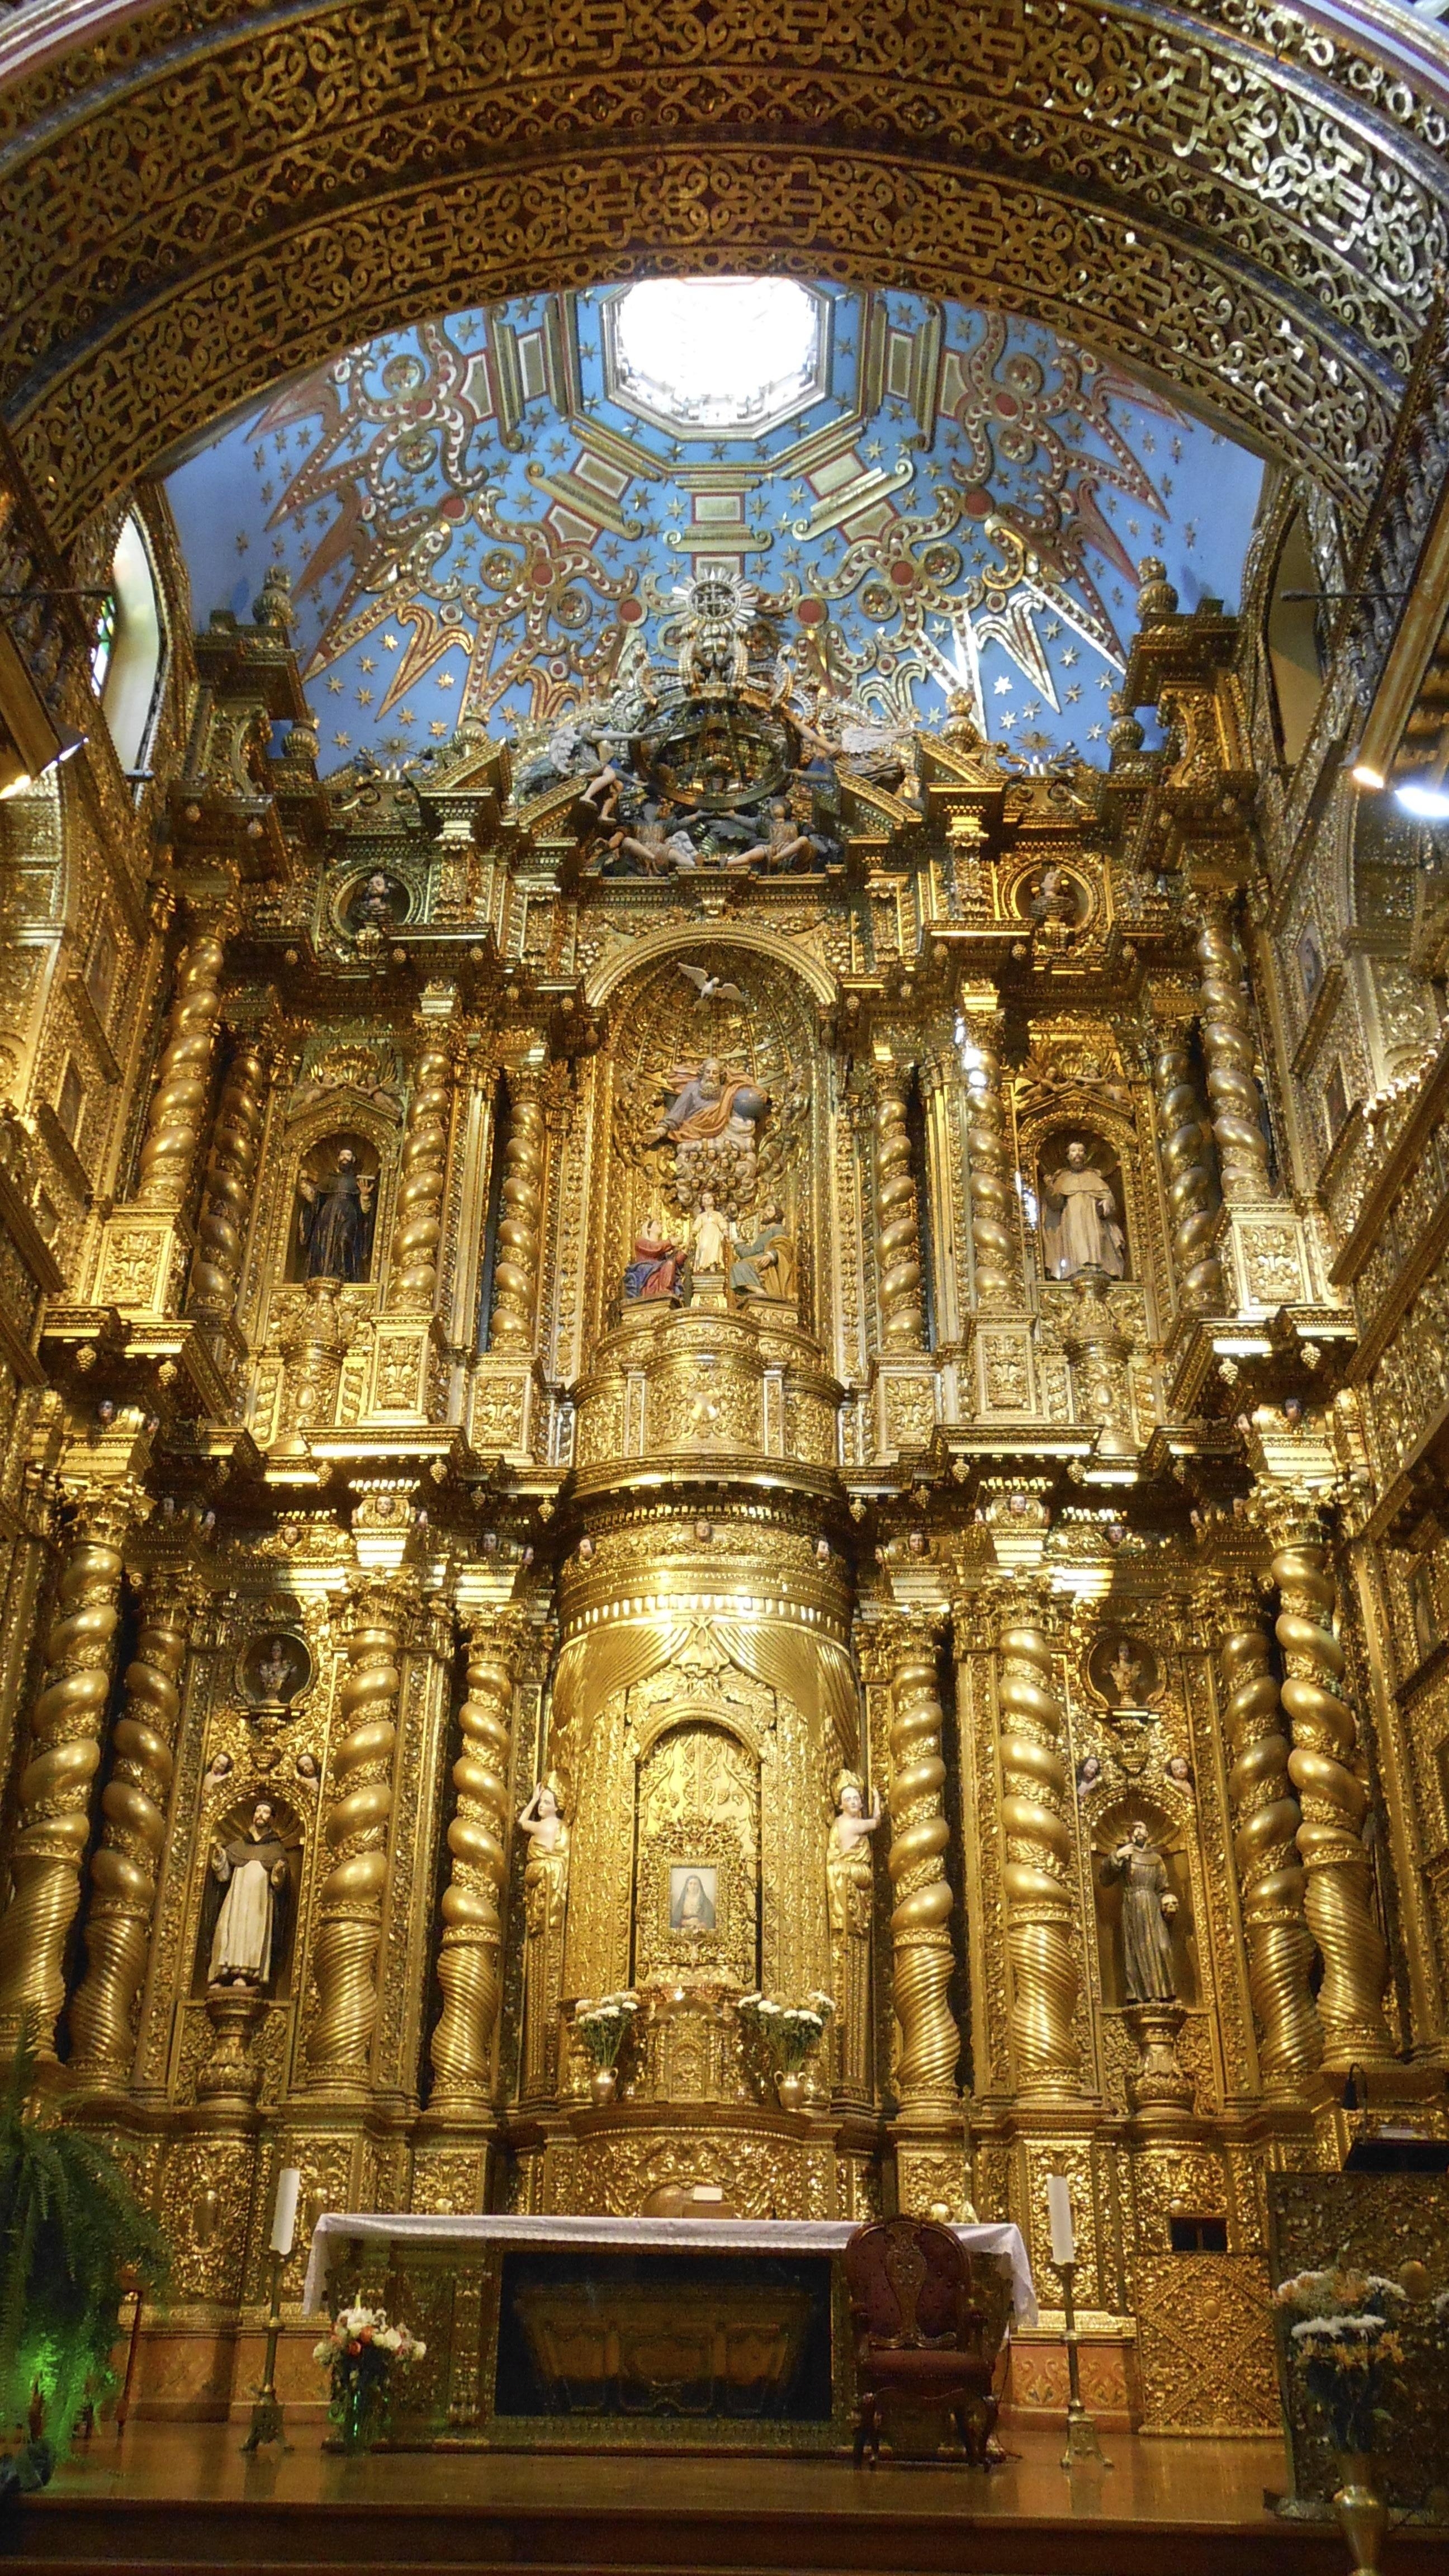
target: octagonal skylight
703 354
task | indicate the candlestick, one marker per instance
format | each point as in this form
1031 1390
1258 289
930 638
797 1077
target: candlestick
1082 2438
266 2423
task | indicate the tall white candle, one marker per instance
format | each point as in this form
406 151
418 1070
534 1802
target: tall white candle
1059 2212
284 2213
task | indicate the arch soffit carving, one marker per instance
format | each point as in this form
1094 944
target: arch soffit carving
344 1108
674 1715
140 317
639 955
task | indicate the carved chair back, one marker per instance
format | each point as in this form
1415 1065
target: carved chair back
910 2287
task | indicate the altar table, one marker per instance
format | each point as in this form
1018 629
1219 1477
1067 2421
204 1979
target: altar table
595 2332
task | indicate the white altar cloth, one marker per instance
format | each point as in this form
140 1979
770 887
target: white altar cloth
640 2236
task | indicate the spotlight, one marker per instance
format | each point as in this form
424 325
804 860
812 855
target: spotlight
1365 776
1427 804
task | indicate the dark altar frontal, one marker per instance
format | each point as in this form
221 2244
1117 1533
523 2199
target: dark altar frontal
693 2336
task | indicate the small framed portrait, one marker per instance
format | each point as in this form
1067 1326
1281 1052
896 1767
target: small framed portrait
1310 965
275 1669
693 1899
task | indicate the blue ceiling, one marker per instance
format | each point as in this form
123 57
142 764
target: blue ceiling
478 520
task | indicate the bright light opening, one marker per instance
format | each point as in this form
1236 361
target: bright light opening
1363 776
718 352
1426 804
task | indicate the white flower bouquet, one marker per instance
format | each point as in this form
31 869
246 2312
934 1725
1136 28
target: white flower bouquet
604 2026
789 2033
361 2350
1344 2344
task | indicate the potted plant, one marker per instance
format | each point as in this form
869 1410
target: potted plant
1344 2346
361 2351
73 2240
603 2028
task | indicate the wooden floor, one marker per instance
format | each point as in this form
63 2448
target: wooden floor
184 2498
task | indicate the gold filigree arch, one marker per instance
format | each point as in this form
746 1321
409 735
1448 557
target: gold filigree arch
188 215
615 969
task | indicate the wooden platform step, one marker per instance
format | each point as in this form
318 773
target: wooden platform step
62 2535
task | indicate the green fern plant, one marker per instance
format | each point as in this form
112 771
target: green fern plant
73 2239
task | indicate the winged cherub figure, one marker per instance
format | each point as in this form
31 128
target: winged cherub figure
713 988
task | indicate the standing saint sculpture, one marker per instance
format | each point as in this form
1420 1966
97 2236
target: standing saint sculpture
545 1902
765 1266
1081 1228
253 1870
334 1221
1148 1906
850 1897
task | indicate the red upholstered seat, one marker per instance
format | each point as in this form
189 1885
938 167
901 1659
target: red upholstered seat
920 2333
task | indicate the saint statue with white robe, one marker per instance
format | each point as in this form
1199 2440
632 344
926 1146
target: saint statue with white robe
253 1870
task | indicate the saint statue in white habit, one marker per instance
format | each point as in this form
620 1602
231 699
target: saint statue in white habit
253 1871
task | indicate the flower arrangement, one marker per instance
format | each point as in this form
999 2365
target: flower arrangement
360 2351
1345 2344
604 2026
788 2033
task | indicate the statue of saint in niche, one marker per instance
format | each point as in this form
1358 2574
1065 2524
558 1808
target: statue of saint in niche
274 1668
709 1238
1148 1906
545 1904
1080 1224
335 1214
657 1269
251 1868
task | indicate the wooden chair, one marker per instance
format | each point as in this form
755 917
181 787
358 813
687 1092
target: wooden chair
921 2338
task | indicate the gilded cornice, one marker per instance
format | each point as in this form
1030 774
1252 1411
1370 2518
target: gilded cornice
301 180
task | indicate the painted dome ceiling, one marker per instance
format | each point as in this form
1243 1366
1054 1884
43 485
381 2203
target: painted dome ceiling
488 516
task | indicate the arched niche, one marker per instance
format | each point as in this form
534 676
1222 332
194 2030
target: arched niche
259 1833
661 1035
1110 1827
697 1854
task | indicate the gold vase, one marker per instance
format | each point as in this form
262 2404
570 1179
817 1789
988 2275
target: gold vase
603 2084
1360 2511
790 2092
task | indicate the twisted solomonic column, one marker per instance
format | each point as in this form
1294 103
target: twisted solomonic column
1338 1897
1227 1038
898 1231
134 1803
514 1321
470 1953
350 1908
994 1226
1041 1939
178 1103
1266 1821
231 1172
1188 1175
64 1756
419 1228
920 1937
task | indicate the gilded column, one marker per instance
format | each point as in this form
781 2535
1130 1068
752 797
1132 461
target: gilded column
134 1803
1266 1821
1043 1949
1181 1126
470 1953
418 1232
995 1233
231 1172
920 1919
514 1320
64 1755
898 1236
1227 1037
349 1928
1338 1897
178 1103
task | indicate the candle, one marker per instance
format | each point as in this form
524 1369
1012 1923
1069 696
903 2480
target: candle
284 2214
1059 2213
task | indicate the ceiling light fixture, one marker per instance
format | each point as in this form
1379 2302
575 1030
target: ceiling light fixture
1427 801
